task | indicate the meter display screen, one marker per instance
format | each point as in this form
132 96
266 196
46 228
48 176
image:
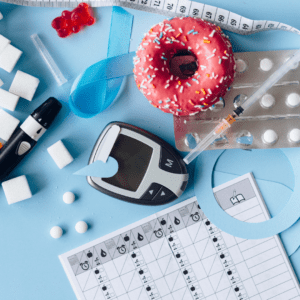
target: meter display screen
133 158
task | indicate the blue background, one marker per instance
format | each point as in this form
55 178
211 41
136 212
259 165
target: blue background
29 265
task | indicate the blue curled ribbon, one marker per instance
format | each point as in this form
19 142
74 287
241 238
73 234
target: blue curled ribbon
97 87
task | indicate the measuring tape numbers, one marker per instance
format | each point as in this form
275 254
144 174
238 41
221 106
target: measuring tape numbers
173 8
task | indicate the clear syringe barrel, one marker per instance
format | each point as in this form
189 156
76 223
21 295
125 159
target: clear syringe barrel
216 133
219 130
274 78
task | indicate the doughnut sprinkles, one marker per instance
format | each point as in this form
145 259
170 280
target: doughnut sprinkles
184 65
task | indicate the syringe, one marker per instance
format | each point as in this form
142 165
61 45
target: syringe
225 124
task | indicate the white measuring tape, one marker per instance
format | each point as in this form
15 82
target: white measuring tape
225 19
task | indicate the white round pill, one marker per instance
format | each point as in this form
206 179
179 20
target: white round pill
267 101
294 135
68 197
241 66
270 137
266 64
81 227
56 232
293 100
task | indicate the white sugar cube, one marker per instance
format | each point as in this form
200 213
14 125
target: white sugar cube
8 100
16 189
3 42
24 85
60 154
9 57
1 82
8 124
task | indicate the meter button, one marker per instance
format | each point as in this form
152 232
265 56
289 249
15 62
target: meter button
151 192
168 162
184 185
164 194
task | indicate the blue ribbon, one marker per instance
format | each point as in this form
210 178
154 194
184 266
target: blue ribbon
97 87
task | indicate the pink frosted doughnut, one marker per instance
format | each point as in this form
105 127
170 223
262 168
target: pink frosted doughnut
184 65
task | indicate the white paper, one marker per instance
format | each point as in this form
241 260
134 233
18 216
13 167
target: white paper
178 254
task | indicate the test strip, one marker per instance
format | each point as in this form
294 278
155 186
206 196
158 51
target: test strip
108 143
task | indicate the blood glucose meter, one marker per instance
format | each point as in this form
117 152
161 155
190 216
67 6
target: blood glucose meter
150 171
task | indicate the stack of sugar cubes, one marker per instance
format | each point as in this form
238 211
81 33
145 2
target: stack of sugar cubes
23 85
9 55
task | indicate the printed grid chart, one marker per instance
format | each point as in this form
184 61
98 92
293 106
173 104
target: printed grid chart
266 260
178 254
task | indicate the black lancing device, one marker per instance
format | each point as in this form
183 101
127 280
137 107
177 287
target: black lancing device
150 171
26 136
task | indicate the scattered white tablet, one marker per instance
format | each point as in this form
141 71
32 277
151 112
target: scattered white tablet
68 197
81 227
56 232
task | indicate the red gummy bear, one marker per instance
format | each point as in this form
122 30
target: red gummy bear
73 21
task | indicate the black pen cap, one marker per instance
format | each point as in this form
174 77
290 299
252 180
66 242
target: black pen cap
47 112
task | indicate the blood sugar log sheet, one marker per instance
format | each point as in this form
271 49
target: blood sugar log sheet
178 254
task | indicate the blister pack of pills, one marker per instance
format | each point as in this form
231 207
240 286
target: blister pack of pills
272 122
